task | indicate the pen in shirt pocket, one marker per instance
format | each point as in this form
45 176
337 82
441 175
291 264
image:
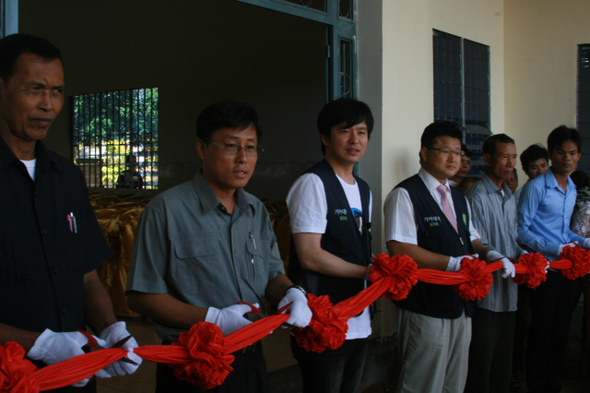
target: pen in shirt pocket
253 244
72 221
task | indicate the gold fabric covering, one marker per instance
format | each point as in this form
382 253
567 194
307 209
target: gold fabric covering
117 217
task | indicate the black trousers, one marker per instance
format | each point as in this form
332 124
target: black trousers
521 330
249 376
490 351
332 371
552 305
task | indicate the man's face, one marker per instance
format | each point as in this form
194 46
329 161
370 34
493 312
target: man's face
536 168
226 172
512 182
442 166
31 99
346 145
564 159
465 167
501 165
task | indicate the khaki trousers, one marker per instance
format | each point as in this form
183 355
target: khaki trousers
434 353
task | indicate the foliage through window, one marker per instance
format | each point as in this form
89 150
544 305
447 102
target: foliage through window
115 138
462 88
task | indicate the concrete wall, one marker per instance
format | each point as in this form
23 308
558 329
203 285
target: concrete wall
196 53
541 47
408 71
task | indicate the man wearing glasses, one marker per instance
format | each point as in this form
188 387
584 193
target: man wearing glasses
429 221
205 245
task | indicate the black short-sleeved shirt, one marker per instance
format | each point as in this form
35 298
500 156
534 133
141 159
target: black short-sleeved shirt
49 239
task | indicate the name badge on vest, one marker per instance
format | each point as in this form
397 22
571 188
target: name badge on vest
433 221
342 214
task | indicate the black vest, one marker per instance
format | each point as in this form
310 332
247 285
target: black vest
436 234
342 238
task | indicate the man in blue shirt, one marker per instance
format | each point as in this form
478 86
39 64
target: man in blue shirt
544 213
535 162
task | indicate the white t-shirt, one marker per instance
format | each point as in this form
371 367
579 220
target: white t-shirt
400 220
30 164
308 210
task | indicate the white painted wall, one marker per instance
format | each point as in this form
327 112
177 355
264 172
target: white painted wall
407 94
541 47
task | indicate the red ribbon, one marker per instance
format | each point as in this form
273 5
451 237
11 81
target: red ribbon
531 270
15 371
203 356
477 282
327 329
579 259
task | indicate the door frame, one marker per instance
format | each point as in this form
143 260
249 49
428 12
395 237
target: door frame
340 41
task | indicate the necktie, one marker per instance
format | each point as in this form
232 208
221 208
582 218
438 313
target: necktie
446 206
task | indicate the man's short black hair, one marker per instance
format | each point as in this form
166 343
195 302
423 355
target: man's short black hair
562 134
344 110
490 145
533 153
14 45
439 129
466 151
227 114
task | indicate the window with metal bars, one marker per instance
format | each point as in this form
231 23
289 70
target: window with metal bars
462 89
583 117
115 138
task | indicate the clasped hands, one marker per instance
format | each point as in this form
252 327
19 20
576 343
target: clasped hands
508 269
231 318
54 347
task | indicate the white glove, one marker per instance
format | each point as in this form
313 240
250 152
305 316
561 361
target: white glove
569 244
299 310
586 244
111 336
229 319
51 347
455 263
509 270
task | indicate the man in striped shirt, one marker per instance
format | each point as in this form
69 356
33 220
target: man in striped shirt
494 216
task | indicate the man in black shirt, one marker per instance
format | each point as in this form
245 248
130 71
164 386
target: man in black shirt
50 242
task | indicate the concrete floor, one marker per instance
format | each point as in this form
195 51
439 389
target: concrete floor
380 373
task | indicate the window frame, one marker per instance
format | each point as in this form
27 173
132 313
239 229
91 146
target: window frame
107 128
462 89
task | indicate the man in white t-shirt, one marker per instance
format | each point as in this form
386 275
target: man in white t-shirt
330 212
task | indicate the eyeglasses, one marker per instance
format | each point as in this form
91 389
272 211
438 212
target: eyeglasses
231 149
445 152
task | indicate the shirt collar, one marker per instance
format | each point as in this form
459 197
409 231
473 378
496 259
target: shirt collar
492 188
430 181
551 181
44 160
210 201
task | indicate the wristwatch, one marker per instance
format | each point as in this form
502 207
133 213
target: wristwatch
298 287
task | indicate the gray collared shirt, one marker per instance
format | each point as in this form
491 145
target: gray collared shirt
188 246
494 215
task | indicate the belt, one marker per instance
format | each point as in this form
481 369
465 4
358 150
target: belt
250 348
